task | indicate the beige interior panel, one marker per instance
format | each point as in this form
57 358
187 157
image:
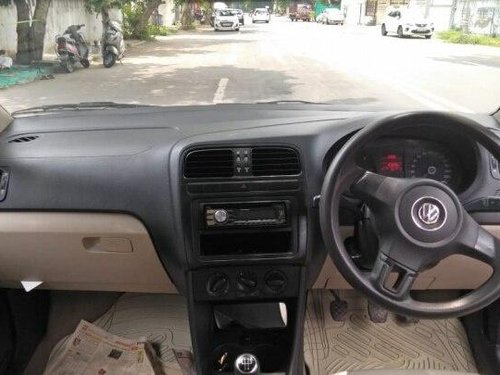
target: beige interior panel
5 119
79 251
454 272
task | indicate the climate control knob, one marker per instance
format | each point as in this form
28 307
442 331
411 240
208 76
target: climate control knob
217 284
275 281
246 281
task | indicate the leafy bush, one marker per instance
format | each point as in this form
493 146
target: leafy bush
131 18
158 30
458 37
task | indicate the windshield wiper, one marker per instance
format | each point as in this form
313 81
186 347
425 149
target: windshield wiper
76 107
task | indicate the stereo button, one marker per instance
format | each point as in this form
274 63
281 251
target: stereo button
220 216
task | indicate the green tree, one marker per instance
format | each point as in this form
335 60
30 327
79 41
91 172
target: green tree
136 13
282 5
103 7
187 19
31 25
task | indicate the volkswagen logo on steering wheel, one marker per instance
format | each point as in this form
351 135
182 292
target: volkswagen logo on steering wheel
428 213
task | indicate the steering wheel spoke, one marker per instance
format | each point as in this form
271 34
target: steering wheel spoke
376 190
392 278
476 242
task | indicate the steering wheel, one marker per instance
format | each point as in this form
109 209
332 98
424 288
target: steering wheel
418 222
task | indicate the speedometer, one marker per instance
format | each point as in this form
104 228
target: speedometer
433 164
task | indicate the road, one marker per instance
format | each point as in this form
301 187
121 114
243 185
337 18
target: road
284 61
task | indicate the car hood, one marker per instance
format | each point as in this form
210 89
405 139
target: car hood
411 19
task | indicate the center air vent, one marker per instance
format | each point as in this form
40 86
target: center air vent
275 161
209 163
27 138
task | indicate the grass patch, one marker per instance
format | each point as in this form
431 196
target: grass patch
156 30
456 36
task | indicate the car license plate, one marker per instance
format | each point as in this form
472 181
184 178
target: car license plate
421 30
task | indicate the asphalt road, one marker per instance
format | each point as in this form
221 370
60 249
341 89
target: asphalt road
284 61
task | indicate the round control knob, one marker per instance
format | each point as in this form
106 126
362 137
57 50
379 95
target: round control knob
246 364
275 281
246 281
220 216
217 284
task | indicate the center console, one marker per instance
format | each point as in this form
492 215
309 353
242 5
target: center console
245 211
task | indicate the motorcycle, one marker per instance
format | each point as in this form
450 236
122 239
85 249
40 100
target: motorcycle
113 45
72 48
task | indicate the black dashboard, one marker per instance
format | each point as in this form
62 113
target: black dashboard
228 196
135 161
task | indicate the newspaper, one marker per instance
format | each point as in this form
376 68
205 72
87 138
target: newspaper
91 350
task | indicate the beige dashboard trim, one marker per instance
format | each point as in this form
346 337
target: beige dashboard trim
5 119
454 272
80 251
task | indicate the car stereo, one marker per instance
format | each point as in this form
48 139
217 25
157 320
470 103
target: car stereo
241 215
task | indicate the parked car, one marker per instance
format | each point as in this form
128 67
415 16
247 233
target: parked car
226 19
241 16
261 15
332 16
406 22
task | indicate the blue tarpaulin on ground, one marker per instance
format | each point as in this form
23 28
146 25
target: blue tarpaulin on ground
21 74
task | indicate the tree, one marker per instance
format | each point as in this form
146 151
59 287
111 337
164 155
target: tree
136 13
103 7
187 19
282 5
31 25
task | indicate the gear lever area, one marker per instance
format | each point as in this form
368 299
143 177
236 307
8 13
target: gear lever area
246 364
245 337
260 335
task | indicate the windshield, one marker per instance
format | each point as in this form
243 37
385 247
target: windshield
226 13
175 53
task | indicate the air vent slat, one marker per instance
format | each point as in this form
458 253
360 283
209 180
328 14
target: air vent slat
24 139
209 163
275 161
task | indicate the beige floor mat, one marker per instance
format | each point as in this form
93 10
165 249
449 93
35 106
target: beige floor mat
329 347
161 318
357 343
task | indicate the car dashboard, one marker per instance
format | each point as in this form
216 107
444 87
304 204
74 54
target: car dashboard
219 203
173 169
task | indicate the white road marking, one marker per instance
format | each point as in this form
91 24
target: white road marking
432 100
475 64
221 89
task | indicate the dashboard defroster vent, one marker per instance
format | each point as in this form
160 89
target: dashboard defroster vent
275 161
209 163
24 139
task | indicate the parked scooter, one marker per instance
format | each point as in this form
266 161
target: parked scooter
72 48
113 45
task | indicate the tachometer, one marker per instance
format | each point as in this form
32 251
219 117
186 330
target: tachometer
433 164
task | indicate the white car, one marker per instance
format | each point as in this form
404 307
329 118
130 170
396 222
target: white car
226 20
332 16
407 22
261 15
